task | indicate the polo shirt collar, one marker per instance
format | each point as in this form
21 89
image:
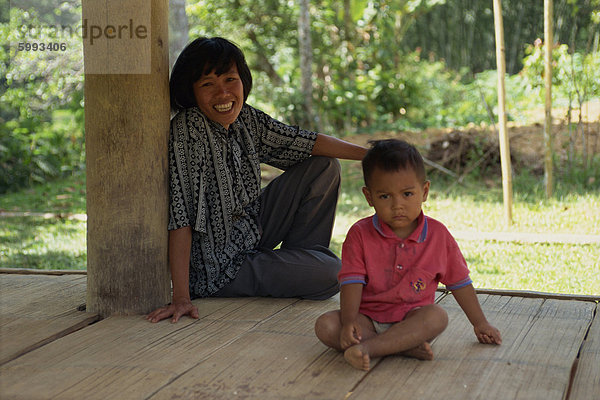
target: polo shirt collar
419 235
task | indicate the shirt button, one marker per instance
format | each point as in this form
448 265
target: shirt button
402 245
399 266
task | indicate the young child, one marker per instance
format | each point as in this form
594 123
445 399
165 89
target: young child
391 265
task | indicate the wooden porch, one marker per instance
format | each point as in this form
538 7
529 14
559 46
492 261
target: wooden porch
260 348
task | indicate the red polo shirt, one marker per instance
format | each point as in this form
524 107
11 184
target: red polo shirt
400 274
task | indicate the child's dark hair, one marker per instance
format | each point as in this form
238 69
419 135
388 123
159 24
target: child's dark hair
392 155
202 56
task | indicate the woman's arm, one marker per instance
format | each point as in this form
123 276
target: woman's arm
180 244
330 146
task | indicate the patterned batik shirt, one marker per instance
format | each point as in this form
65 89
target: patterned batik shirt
215 186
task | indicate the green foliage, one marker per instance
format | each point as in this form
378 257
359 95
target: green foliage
41 120
365 76
34 151
358 75
461 32
573 74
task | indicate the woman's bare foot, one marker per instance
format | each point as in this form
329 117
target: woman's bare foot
421 352
357 357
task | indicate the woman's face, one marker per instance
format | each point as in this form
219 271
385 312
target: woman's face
220 97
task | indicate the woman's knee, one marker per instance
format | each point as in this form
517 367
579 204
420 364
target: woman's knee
330 166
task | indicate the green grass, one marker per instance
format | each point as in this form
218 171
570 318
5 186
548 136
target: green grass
44 243
62 196
39 243
557 268
475 206
56 243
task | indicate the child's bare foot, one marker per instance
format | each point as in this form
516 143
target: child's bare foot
421 352
357 357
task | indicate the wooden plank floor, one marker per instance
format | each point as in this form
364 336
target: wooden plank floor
37 310
257 348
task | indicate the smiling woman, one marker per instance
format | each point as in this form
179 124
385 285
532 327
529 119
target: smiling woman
227 236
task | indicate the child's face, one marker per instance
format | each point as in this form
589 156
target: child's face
397 197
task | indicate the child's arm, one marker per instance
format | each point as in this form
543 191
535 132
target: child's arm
350 295
467 299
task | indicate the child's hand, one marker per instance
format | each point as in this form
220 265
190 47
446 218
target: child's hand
487 334
350 335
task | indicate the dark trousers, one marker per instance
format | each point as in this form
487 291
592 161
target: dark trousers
297 213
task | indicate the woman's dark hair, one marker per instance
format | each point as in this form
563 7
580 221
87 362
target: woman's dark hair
392 155
202 56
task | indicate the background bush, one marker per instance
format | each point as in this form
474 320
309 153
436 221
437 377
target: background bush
373 69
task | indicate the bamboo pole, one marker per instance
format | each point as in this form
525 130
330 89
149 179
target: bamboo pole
127 127
503 135
548 153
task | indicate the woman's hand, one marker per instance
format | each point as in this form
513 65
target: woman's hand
177 309
180 244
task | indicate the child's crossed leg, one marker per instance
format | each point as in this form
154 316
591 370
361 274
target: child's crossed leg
409 337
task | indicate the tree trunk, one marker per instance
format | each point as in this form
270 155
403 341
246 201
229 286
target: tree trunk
127 126
263 62
178 29
305 44
513 61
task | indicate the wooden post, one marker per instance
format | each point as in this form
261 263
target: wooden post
548 153
126 126
503 135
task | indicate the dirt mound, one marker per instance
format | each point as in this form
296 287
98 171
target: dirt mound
462 151
474 146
